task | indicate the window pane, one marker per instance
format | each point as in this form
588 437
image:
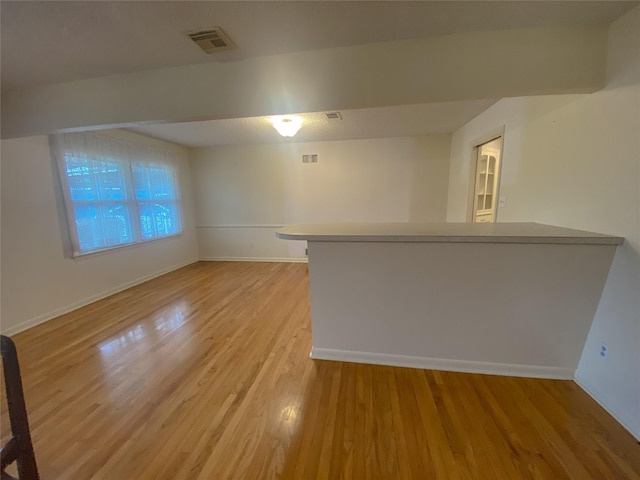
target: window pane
91 179
159 219
158 202
154 182
98 192
102 225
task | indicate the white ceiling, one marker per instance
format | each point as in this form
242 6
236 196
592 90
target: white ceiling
46 42
56 41
397 121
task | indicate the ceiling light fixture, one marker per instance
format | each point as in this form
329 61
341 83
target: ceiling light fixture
287 126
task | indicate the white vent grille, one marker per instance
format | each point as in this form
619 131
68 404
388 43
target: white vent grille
212 40
334 116
310 158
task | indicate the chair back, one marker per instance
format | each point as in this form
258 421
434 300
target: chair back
19 448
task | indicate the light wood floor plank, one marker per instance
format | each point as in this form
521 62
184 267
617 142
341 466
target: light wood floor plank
204 374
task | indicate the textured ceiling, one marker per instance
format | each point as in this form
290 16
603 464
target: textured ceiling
57 41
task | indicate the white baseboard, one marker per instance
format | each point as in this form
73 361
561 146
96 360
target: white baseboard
465 366
32 322
627 427
243 225
255 259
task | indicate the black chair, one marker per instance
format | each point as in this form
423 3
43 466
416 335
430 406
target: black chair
19 448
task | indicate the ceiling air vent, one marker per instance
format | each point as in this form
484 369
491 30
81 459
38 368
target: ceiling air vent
212 40
334 116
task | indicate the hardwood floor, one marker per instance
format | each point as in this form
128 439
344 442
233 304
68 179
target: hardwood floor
204 373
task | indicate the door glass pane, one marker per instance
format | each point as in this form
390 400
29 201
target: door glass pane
486 184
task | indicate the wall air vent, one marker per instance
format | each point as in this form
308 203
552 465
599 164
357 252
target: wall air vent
310 158
212 40
334 116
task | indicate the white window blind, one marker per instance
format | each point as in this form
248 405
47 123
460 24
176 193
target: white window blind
116 193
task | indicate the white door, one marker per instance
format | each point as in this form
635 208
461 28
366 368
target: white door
487 181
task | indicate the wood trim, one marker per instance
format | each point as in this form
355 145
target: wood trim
443 364
256 259
248 225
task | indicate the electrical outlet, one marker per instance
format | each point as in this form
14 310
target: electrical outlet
502 202
604 350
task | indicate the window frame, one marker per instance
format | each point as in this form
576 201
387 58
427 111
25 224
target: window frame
126 161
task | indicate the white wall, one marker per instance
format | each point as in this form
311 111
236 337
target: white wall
574 161
38 283
243 193
442 299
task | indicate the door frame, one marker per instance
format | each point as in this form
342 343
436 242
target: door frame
473 165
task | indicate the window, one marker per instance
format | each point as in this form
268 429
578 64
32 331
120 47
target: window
116 193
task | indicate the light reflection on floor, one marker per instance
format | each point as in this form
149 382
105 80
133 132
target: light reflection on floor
289 415
167 320
172 319
123 373
115 345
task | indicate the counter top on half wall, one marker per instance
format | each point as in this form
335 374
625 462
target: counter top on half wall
504 298
444 232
